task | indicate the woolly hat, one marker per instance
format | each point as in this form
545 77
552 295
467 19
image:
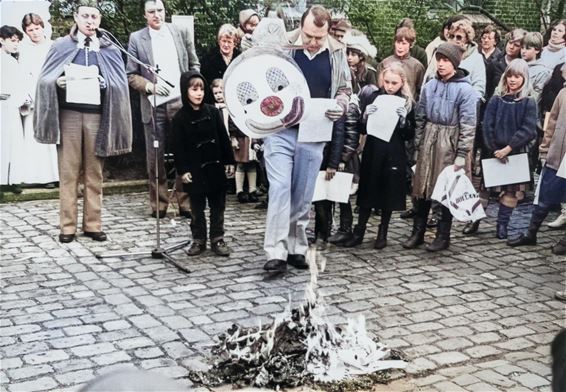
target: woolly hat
452 52
361 43
246 15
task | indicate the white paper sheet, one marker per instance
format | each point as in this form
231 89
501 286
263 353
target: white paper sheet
337 189
174 93
383 121
83 85
315 126
562 168
537 190
515 171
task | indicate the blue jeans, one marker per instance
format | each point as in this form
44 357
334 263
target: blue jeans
292 169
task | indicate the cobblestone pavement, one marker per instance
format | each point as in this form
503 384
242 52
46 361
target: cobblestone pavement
478 317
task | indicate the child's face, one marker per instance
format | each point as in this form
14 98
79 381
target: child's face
513 49
392 82
196 94
218 93
402 48
529 54
353 58
514 83
444 67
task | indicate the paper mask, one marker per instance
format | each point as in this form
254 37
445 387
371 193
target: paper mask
265 91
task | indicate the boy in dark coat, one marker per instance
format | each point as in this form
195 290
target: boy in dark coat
202 155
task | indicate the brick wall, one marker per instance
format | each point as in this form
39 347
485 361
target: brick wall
515 13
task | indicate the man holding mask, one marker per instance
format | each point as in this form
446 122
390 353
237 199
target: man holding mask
292 166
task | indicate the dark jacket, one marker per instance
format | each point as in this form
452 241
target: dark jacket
509 121
201 144
494 70
213 67
382 172
552 88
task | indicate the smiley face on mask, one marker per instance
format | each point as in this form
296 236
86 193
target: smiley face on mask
265 91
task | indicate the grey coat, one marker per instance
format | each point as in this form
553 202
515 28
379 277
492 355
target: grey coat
139 46
446 119
114 136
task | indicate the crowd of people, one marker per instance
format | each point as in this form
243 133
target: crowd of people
466 98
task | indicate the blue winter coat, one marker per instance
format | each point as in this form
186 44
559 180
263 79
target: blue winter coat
509 122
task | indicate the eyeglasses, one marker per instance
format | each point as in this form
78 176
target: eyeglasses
457 37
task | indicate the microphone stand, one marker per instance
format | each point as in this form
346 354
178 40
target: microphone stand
158 252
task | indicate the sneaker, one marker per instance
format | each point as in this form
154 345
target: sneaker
196 248
220 248
558 223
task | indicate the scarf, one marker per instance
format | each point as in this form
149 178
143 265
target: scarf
555 47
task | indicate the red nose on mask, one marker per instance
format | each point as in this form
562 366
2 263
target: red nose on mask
271 106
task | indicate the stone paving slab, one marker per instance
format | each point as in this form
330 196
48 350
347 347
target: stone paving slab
478 317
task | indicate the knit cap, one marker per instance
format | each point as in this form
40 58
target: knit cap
452 52
246 15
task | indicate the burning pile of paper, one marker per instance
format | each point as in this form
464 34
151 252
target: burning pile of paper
300 346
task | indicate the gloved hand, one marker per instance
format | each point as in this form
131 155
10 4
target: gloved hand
370 109
402 112
102 82
459 163
229 169
330 174
257 147
341 166
159 89
235 144
62 82
187 178
334 114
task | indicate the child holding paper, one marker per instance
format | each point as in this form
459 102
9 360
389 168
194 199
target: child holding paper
382 172
202 155
509 126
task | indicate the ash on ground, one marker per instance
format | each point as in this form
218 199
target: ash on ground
300 347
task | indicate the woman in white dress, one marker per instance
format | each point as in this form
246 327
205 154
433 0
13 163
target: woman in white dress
12 98
43 168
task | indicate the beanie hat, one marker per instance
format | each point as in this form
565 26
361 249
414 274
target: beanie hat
246 15
452 52
360 43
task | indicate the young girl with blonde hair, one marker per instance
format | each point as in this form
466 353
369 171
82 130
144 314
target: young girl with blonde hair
382 172
509 126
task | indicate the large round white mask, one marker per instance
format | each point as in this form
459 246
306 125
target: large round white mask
265 91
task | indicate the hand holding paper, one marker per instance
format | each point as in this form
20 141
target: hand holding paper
381 124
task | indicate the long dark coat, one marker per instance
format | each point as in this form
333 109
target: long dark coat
201 144
382 171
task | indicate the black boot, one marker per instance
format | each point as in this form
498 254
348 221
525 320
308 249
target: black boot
357 237
360 229
538 216
471 227
417 236
381 241
442 239
560 248
503 218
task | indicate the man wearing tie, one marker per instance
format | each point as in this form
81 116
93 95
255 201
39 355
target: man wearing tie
171 49
85 130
